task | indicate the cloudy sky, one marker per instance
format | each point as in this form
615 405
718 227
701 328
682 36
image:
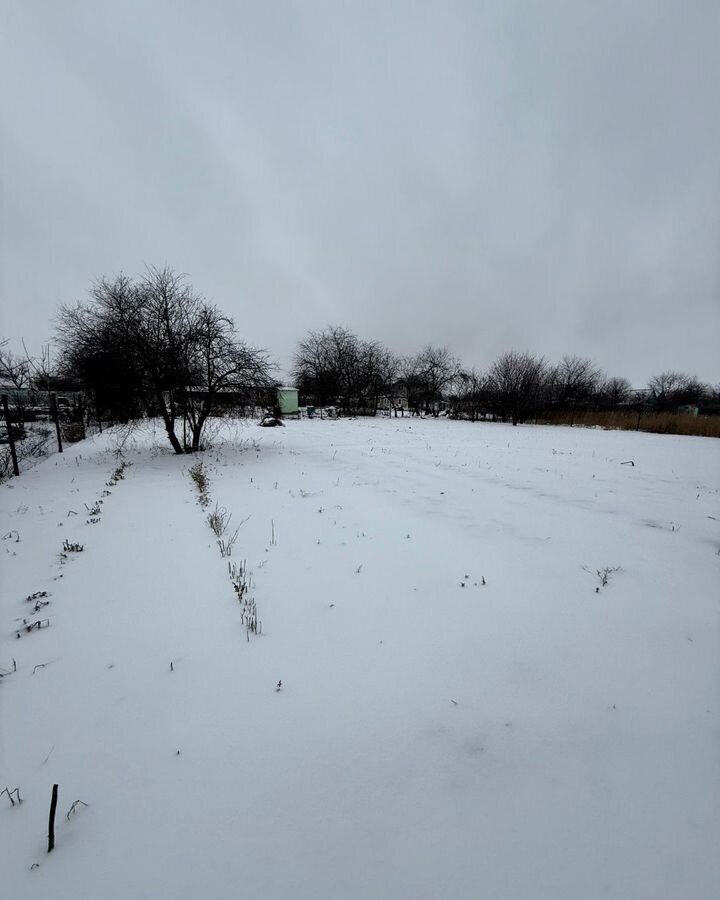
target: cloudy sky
487 175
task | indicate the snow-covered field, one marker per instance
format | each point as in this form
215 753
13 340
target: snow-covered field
466 711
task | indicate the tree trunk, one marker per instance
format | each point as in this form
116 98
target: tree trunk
197 428
169 423
170 429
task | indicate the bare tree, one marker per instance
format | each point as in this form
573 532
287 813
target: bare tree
614 392
15 373
516 382
336 366
157 346
315 368
13 369
672 389
471 399
428 377
574 381
217 364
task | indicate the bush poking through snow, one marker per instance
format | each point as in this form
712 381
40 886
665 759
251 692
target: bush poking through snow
604 575
242 585
70 547
118 474
219 522
239 578
202 483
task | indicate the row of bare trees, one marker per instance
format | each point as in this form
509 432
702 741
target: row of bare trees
335 366
152 346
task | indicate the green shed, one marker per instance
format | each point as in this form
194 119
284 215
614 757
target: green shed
287 399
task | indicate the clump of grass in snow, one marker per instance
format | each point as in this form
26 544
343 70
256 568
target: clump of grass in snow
118 474
202 483
219 522
70 547
242 585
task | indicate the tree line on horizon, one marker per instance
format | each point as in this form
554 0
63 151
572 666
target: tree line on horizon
335 366
152 346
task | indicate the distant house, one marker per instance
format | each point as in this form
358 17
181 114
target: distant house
395 400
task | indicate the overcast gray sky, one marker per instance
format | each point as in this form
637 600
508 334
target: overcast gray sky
487 175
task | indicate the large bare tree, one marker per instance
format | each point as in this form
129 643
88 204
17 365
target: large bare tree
428 376
336 366
516 382
156 346
574 381
672 389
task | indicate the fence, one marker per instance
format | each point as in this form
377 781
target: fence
33 427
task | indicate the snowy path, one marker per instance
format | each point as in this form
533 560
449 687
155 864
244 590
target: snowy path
434 737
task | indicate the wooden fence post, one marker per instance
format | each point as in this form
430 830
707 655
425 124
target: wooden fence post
54 414
51 824
11 436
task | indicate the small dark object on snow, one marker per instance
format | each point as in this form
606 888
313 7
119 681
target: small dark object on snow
51 823
278 686
10 793
73 808
270 422
4 672
628 462
71 547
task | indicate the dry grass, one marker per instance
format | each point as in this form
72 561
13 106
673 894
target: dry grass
658 423
202 483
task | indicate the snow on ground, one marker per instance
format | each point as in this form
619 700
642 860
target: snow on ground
466 711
